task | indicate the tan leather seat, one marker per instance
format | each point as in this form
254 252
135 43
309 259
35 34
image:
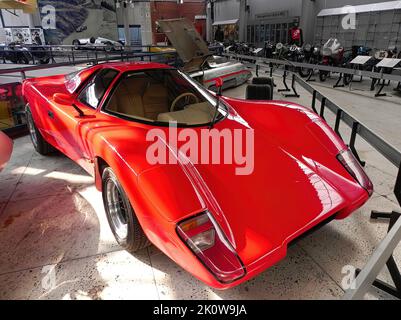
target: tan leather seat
128 98
198 113
138 97
155 100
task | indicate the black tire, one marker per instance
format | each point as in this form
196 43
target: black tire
120 214
76 44
23 59
304 72
39 143
45 60
347 79
108 47
323 75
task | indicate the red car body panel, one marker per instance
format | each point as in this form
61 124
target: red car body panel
6 148
297 181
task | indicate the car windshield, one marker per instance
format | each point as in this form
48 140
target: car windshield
162 96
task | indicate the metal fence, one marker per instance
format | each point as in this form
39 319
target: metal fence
383 255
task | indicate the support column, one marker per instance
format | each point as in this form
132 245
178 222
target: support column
308 20
243 20
127 33
209 22
31 21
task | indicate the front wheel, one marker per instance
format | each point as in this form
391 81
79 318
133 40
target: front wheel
39 143
122 219
347 79
304 72
323 75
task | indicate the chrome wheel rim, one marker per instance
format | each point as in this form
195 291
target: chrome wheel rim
117 208
32 130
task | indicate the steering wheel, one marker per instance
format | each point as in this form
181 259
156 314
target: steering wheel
187 96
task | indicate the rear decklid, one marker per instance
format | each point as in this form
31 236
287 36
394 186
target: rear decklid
190 46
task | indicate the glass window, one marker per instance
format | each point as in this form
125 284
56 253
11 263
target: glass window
163 96
278 33
256 34
262 33
96 88
252 34
267 32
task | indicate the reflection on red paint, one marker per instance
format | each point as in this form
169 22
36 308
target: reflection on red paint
11 105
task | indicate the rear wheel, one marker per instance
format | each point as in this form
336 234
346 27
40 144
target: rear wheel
347 79
323 75
122 219
39 143
76 44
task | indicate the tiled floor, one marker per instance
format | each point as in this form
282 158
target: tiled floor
56 242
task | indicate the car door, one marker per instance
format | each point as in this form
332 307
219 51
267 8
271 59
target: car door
68 120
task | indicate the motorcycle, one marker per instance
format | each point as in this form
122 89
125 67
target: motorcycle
24 54
16 53
333 54
311 56
280 52
268 49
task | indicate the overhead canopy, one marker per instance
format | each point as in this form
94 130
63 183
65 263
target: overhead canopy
28 6
219 23
373 7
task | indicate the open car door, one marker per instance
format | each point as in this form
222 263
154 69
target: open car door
190 46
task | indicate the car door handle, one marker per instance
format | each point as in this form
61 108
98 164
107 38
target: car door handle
50 114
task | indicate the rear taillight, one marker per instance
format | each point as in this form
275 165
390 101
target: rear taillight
204 237
353 167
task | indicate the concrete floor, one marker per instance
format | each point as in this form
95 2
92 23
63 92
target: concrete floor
56 242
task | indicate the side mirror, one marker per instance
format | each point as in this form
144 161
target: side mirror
62 98
219 85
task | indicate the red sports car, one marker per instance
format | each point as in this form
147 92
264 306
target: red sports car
220 224
6 148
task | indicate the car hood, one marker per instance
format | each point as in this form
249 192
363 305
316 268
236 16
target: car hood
289 190
190 46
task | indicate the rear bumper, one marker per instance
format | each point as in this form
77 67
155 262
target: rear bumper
273 257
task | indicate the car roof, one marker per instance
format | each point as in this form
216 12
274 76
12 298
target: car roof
134 66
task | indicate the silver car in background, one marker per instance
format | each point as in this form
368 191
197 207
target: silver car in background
198 62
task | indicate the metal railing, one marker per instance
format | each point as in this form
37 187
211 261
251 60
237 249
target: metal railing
376 77
383 255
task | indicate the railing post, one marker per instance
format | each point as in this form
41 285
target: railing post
322 107
355 128
314 101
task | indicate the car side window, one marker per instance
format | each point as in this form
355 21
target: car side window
94 91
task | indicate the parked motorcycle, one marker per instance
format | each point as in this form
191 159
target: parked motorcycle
312 56
269 49
333 54
24 54
280 51
16 53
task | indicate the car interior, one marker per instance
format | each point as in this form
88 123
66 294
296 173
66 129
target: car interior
160 96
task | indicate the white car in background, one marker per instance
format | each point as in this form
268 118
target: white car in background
98 43
198 61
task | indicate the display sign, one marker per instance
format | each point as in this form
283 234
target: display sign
361 60
271 15
388 63
25 35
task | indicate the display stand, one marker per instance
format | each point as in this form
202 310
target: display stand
286 88
386 64
358 63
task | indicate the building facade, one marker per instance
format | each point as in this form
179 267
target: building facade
377 22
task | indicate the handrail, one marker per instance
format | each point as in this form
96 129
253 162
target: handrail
370 74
